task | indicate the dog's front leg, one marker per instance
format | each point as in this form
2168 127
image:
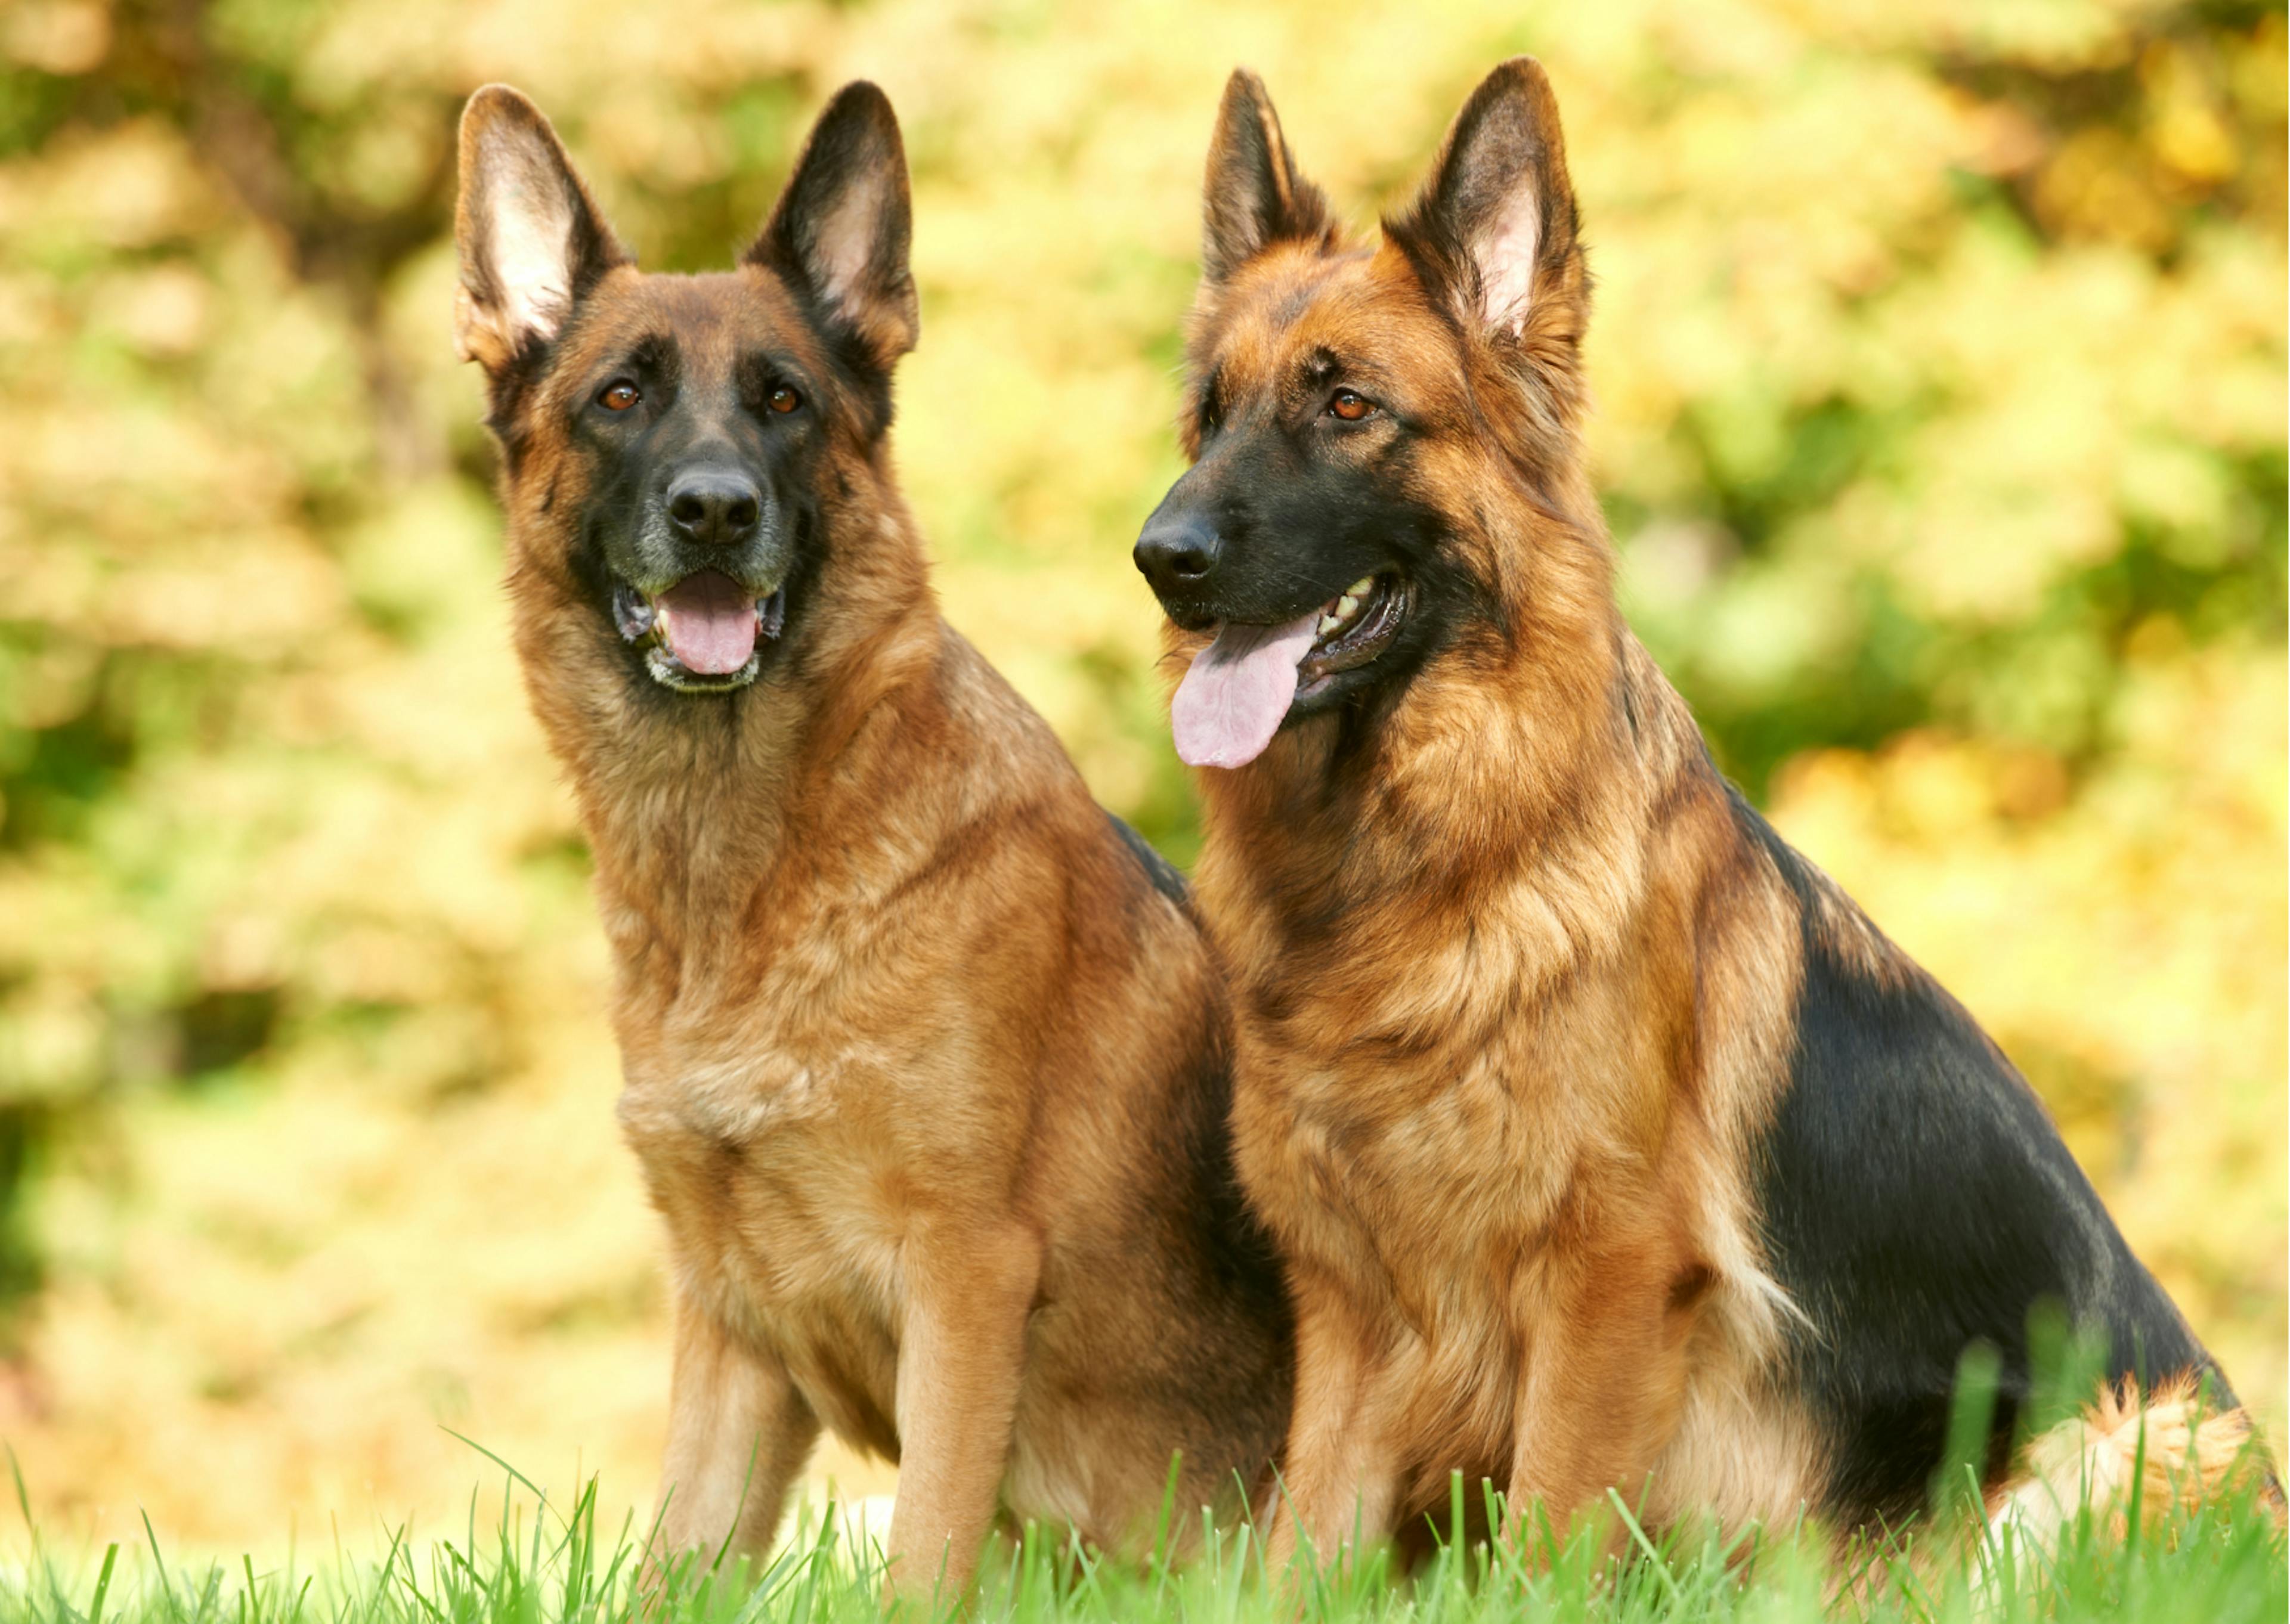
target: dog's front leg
1598 1387
737 1433
961 1351
1338 1482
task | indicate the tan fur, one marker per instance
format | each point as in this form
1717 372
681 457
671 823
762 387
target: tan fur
1515 1196
1515 993
2166 1450
1511 1186
908 1034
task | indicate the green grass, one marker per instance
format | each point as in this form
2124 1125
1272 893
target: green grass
2220 1564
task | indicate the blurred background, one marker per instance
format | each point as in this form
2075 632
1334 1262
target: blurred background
1940 358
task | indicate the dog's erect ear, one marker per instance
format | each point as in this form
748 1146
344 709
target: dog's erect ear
841 230
531 238
1254 195
1493 232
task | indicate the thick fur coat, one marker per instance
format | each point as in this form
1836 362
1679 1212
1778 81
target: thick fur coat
1609 1146
926 1062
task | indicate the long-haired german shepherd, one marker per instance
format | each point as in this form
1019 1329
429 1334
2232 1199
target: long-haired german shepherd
1607 1142
924 1059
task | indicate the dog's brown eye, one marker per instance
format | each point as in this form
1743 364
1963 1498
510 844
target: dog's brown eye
619 396
785 400
1350 406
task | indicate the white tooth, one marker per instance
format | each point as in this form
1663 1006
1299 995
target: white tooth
1359 588
1347 606
1328 623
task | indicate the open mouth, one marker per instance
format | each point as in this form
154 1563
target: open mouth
1240 688
704 633
1354 627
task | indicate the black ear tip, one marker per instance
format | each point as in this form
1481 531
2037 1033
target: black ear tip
1245 97
864 101
1522 76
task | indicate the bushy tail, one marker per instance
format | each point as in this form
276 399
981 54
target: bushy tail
2129 1454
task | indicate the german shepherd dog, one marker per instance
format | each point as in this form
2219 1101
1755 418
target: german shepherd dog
924 1059
1607 1143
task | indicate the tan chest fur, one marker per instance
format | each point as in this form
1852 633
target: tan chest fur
1449 1113
792 1138
777 1175
947 1014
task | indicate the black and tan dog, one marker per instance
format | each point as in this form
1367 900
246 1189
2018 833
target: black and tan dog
925 1061
1609 1145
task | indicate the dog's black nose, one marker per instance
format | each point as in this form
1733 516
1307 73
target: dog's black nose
1176 554
716 506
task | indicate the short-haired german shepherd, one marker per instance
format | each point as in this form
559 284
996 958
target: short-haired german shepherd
1608 1143
925 1059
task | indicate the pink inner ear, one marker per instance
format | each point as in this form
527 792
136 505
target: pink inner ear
1505 254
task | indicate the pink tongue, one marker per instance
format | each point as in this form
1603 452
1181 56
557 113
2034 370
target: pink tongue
1232 699
711 621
